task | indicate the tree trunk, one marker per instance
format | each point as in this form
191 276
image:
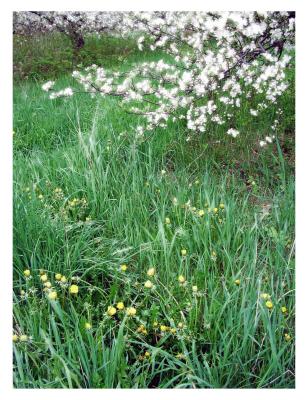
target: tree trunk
78 43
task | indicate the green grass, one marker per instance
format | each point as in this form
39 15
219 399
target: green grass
229 337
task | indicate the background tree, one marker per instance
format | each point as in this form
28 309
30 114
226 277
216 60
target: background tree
75 25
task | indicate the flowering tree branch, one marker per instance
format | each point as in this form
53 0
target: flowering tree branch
217 59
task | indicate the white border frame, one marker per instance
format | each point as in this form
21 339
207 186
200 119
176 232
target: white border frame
6 384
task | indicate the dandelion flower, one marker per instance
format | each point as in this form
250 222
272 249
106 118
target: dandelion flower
52 295
201 213
131 311
215 210
151 271
181 279
111 311
147 354
120 305
183 252
58 277
180 325
287 337
195 289
44 278
123 267
47 284
63 279
221 205
87 326
284 309
74 289
15 338
167 221
148 284
265 296
269 304
142 329
173 331
23 338
27 273
237 282
163 328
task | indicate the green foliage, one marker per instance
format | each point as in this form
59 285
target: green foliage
89 197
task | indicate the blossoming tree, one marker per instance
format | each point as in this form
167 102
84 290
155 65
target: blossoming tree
216 60
74 24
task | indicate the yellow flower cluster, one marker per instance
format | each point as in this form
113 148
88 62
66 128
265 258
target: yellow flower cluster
142 329
165 328
21 338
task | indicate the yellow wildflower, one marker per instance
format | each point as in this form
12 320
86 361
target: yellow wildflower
147 354
269 304
163 328
221 205
111 311
181 279
183 252
27 273
120 305
215 210
284 309
63 279
131 311
123 267
265 296
195 288
15 338
148 284
151 271
87 325
58 277
237 281
167 221
44 278
201 213
47 284
287 337
23 338
74 289
52 295
180 325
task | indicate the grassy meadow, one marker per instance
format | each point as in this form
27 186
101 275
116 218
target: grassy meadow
155 263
